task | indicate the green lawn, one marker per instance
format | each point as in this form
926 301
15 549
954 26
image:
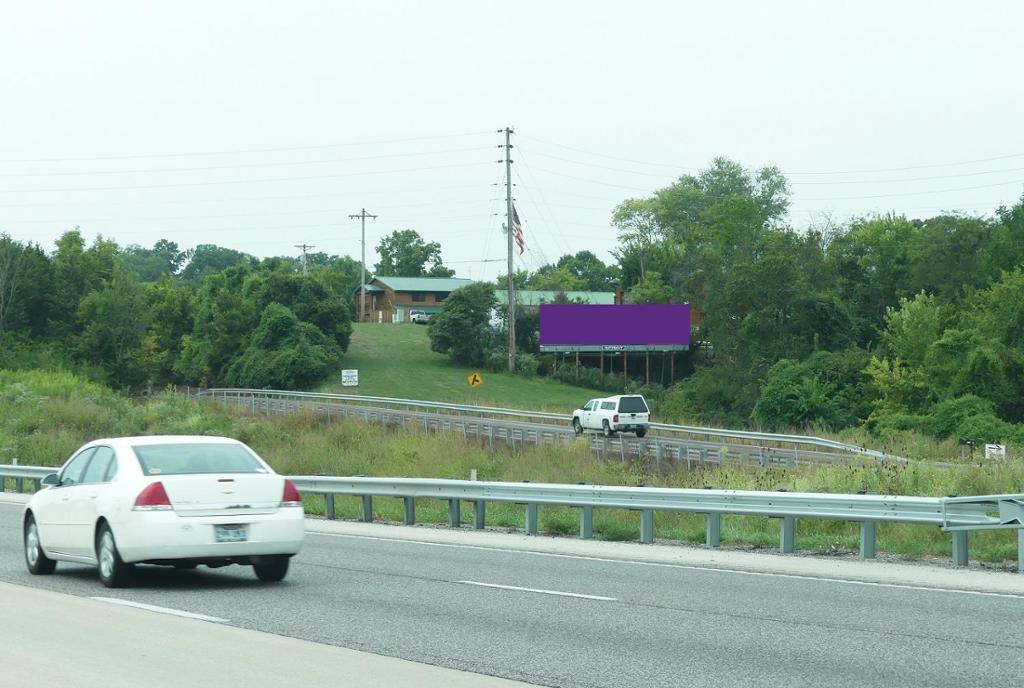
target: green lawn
396 361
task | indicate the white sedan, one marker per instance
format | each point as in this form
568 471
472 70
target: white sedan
171 500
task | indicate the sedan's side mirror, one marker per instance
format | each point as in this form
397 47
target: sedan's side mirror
51 480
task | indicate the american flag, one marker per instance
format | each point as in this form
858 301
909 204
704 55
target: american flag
517 230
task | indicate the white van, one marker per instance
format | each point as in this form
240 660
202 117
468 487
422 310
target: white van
622 413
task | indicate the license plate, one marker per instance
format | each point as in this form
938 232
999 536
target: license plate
231 533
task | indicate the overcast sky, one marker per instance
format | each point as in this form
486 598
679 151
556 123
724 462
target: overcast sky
261 125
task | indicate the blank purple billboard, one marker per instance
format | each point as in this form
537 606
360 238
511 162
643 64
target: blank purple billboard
634 327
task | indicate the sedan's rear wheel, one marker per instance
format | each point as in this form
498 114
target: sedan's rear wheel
113 571
37 561
271 569
576 426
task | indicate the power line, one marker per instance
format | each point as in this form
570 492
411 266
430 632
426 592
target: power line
246 151
957 163
246 198
246 181
915 193
235 166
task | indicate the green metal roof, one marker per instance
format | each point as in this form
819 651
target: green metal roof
423 283
535 298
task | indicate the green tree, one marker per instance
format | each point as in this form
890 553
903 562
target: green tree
284 353
208 259
113 323
461 329
404 254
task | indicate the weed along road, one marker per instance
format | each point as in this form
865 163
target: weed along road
478 603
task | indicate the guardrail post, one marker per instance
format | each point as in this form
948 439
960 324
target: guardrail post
787 540
959 548
867 539
587 523
329 506
1020 550
647 526
454 513
410 511
368 508
531 519
714 532
479 514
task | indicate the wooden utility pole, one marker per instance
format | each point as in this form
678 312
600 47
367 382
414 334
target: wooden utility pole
510 311
362 270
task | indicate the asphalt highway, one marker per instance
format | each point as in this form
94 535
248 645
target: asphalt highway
568 620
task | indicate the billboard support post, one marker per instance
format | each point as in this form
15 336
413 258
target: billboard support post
577 366
672 375
625 373
648 367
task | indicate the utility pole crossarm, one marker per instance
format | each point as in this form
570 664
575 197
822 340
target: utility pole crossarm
362 271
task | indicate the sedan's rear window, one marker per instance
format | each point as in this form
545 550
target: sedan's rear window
632 405
184 459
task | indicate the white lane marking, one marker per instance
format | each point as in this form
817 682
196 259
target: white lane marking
686 567
538 590
160 610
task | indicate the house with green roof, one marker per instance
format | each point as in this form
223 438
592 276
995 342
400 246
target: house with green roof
392 299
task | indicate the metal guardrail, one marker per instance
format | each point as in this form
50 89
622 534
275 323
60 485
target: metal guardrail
659 449
956 515
23 476
562 419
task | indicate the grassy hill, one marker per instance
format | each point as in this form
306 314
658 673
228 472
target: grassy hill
396 361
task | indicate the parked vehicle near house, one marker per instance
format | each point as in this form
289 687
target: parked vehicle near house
621 413
419 317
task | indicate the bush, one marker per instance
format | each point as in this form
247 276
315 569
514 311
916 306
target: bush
526 365
947 416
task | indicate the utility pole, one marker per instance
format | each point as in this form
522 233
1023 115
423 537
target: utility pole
510 311
362 271
305 266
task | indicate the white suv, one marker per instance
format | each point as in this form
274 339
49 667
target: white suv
627 412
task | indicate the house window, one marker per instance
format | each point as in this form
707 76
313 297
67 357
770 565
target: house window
418 297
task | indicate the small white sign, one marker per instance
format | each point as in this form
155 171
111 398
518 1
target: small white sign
350 378
995 451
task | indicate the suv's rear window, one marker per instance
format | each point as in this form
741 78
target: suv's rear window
184 459
632 405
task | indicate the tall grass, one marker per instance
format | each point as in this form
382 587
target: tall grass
45 416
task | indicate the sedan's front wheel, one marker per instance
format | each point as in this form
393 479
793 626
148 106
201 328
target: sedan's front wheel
38 563
113 571
271 569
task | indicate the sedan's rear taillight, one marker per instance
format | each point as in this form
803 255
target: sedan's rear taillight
153 498
291 496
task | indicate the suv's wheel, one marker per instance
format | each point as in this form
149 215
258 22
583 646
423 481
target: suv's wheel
606 429
37 562
271 569
641 432
112 569
576 426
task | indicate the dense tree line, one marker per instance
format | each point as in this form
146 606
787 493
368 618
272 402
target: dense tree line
134 317
884 322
